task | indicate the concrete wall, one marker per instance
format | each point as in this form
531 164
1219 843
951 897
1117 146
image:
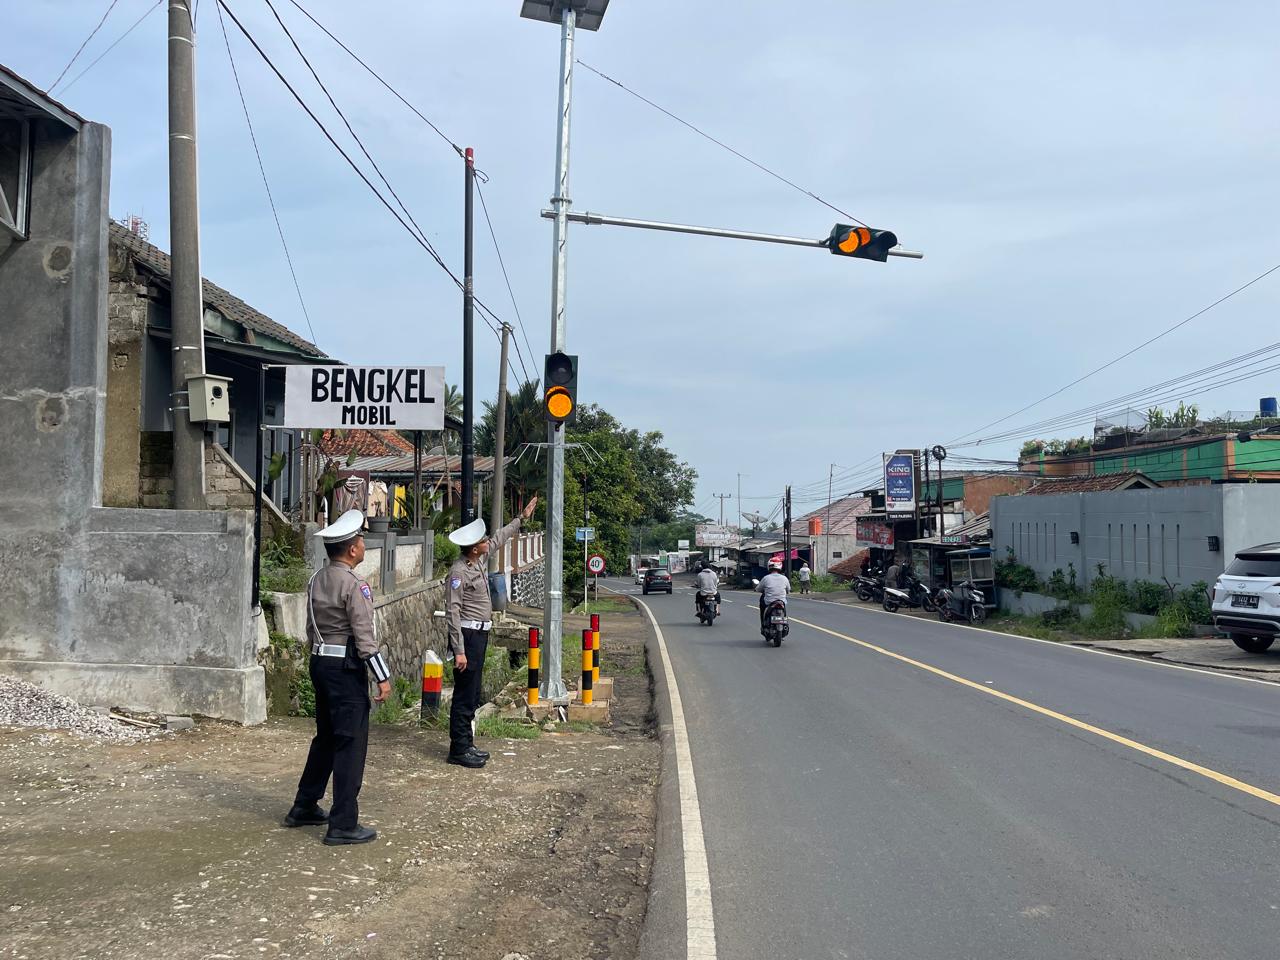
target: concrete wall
829 545
1137 534
120 607
1134 534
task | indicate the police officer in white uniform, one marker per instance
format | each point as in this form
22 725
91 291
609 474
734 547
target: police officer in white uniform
344 652
469 611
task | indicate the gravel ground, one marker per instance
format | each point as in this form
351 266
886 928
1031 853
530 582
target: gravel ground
24 704
172 846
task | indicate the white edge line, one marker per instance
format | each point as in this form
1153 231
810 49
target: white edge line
1220 674
700 940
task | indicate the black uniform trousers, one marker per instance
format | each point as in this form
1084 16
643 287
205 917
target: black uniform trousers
466 691
341 740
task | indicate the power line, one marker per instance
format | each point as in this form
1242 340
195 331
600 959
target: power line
1127 353
92 33
98 59
263 170
516 307
378 77
702 133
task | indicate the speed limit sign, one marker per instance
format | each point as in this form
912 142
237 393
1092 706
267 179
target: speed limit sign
595 564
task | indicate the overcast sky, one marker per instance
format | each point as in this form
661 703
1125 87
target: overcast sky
1079 176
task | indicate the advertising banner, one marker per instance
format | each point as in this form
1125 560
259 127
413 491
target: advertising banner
337 397
874 533
715 535
900 482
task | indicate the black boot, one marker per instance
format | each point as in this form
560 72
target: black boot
337 837
468 759
311 816
482 754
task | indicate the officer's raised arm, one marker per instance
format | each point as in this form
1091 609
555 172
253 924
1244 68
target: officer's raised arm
512 528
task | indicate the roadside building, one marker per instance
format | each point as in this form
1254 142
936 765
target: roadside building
831 531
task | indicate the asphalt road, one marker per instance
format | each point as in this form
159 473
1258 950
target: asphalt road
958 794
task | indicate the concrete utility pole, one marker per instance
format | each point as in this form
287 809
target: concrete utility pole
786 536
722 497
499 449
186 299
830 476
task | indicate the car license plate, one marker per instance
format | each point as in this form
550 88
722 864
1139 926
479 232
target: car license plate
1245 600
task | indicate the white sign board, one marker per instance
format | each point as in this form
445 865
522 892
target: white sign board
584 533
715 535
682 544
338 397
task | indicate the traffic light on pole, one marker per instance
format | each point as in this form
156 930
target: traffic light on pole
560 387
863 242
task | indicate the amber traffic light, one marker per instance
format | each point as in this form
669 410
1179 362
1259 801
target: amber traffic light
560 387
863 242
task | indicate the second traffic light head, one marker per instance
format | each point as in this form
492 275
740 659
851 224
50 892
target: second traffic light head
863 242
560 387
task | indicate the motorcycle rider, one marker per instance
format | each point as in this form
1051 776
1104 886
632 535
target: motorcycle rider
708 586
772 588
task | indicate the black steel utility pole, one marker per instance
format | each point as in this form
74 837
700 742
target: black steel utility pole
468 374
786 536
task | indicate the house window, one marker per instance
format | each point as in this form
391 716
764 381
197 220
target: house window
837 554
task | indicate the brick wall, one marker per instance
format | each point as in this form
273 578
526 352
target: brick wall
225 487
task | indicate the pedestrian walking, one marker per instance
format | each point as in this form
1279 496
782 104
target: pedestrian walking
805 575
344 652
470 616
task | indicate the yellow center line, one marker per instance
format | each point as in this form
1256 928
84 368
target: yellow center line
1214 775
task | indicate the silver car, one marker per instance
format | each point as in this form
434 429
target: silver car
1246 598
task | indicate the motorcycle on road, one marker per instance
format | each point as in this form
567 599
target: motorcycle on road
708 609
775 627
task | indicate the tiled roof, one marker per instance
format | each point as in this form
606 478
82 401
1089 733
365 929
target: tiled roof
156 262
366 443
1093 483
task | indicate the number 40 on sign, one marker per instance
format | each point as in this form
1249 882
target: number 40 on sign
595 564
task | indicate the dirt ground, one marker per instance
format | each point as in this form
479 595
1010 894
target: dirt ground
173 848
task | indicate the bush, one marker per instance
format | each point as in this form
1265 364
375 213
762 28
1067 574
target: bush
446 551
1060 618
1149 597
1015 576
288 579
1111 599
303 693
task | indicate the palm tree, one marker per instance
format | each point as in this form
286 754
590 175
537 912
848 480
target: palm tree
525 424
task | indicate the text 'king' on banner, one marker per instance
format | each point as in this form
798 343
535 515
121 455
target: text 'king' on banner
335 398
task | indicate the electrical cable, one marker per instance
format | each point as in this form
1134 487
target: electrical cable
1127 353
373 73
263 170
502 263
92 33
720 143
98 59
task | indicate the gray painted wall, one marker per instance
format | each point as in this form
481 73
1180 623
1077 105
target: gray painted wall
1137 534
134 608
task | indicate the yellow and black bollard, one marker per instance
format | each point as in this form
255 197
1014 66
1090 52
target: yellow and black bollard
432 681
535 662
586 666
595 647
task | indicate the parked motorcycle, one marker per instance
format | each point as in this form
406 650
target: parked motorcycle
965 602
775 627
869 587
913 593
708 609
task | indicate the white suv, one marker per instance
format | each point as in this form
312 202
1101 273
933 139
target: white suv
1246 598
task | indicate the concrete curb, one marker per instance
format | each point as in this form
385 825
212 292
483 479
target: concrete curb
663 935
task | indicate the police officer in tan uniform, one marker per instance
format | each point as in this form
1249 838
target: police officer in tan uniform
344 652
470 616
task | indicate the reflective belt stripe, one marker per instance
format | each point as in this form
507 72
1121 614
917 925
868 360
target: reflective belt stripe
328 650
476 624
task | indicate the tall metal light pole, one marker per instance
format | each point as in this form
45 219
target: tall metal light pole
187 301
570 14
